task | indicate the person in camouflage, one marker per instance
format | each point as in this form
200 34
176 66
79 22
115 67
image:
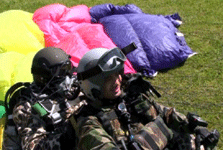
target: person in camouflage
42 110
120 113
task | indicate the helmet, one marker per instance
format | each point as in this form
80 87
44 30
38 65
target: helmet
95 66
49 63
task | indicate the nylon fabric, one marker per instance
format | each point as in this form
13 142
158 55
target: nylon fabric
160 44
2 127
71 30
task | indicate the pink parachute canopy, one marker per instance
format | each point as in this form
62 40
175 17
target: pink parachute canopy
71 30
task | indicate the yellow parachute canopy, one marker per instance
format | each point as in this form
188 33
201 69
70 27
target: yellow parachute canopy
20 39
19 33
8 62
22 71
2 125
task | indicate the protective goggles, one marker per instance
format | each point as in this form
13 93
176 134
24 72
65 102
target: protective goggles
65 69
109 62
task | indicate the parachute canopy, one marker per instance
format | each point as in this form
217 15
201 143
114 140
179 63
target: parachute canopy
20 38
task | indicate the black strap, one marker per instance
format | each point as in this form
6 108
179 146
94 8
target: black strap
97 70
10 121
131 47
162 127
149 139
89 73
105 119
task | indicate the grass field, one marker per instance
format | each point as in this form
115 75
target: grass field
194 86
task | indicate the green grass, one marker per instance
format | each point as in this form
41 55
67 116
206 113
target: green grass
195 86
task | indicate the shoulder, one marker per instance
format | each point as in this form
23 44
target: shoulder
16 94
22 112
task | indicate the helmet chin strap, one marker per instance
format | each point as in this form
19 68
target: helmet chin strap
97 102
55 76
60 86
96 93
48 84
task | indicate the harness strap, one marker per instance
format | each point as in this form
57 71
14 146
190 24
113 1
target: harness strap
163 128
131 47
10 121
106 118
73 122
88 73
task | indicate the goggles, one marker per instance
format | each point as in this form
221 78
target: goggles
109 62
65 69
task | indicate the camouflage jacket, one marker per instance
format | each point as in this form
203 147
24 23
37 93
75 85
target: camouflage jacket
94 133
34 131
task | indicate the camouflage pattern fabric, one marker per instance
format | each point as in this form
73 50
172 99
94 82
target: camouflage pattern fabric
32 129
152 136
92 135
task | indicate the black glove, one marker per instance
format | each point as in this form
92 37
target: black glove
206 138
195 121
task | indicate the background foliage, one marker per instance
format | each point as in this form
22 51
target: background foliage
194 86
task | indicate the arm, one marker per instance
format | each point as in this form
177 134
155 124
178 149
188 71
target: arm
149 109
32 129
92 135
174 120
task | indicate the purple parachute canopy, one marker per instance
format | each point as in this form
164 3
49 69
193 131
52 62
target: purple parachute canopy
160 45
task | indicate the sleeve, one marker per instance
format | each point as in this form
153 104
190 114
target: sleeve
149 109
92 135
32 129
174 119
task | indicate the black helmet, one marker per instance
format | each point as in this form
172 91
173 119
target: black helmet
50 62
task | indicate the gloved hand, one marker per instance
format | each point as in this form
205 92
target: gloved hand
72 109
206 138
